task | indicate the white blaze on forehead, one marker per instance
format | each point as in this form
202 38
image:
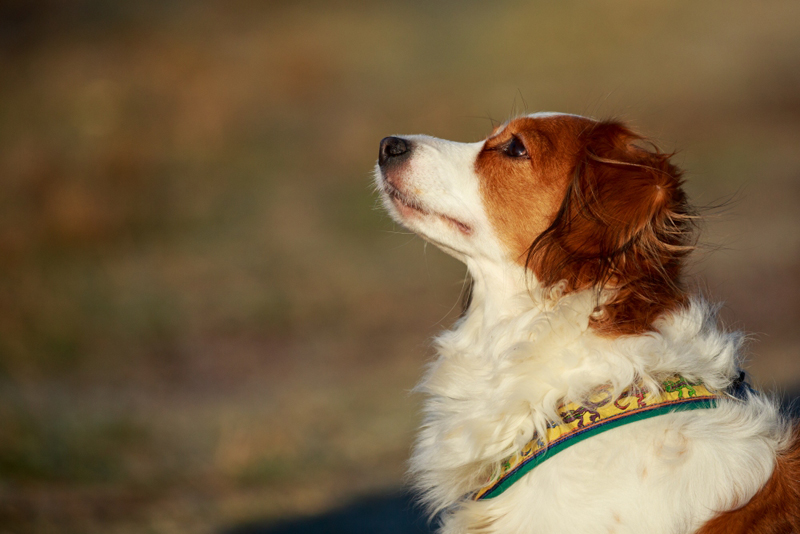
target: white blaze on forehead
541 115
546 114
538 115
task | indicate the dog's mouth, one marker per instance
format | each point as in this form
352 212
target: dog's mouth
402 200
408 207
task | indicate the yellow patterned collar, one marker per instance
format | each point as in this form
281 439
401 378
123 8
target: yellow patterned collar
600 412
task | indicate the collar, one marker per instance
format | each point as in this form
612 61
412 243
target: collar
601 412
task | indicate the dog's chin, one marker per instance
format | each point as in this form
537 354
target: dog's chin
409 210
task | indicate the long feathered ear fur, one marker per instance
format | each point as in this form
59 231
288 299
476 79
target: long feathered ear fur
625 226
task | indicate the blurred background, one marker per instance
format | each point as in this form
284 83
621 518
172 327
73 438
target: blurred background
207 324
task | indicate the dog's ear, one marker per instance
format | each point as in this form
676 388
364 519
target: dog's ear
624 225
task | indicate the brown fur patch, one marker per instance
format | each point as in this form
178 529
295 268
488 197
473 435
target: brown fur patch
600 212
523 194
775 509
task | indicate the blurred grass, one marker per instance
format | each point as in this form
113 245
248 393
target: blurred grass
204 319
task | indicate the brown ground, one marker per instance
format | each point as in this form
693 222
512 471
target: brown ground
204 319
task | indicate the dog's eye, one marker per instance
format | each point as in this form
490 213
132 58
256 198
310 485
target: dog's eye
515 148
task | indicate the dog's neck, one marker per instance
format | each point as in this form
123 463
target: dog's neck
515 328
509 309
506 300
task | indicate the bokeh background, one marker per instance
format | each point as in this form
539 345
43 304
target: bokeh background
207 324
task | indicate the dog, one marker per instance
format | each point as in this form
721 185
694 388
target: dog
583 389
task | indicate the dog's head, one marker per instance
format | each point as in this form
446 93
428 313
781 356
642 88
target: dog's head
574 201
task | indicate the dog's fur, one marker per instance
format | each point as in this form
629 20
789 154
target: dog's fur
574 232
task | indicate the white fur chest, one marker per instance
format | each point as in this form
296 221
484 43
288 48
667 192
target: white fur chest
496 383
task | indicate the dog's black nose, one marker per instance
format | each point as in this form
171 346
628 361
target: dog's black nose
392 147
